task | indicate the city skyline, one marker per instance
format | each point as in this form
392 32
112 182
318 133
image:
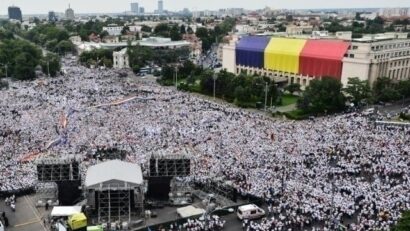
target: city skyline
28 7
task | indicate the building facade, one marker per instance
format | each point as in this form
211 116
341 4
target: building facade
52 17
372 57
113 30
69 13
134 7
15 13
303 60
283 59
160 7
121 59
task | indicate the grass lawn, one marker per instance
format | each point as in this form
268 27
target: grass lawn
296 115
289 99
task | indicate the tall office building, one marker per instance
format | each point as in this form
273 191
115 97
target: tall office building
52 17
134 7
142 10
69 13
15 13
160 7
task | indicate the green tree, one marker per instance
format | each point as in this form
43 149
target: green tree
64 46
357 91
404 88
293 87
186 69
385 90
204 35
21 58
323 96
125 30
162 30
404 222
98 57
24 66
240 94
175 33
182 29
146 29
104 34
51 62
167 74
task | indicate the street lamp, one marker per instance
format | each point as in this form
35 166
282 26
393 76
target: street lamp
176 77
215 76
266 94
48 68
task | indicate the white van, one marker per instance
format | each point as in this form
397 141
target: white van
368 111
250 212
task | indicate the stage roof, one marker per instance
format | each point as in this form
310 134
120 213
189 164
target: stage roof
113 170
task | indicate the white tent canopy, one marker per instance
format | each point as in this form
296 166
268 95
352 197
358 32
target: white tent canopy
189 211
65 211
113 171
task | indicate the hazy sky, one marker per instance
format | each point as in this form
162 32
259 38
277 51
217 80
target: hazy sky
101 6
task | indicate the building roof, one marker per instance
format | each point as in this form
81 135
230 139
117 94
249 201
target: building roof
65 211
248 207
189 211
113 170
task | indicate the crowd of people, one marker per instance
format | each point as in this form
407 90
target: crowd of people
335 170
214 223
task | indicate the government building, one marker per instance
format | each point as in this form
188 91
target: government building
300 60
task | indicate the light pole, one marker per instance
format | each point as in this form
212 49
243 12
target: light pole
48 68
215 76
176 77
266 94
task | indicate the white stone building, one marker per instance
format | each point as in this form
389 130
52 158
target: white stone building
368 58
121 59
113 30
374 56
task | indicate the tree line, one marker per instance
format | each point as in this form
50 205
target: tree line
21 58
328 95
50 37
243 90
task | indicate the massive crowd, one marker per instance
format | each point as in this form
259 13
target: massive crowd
332 170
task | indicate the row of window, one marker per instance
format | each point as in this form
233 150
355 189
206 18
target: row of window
399 63
400 74
293 79
393 54
262 72
389 46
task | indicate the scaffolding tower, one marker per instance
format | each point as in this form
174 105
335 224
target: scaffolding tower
117 204
54 169
161 165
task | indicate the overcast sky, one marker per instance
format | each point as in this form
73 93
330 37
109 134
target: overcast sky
114 6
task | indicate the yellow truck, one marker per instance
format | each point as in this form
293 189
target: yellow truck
77 221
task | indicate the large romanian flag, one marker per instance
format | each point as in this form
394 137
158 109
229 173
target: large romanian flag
309 57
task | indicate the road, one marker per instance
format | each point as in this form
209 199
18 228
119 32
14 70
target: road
26 217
